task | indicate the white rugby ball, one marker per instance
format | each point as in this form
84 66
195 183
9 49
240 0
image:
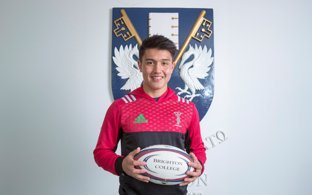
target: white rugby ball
166 165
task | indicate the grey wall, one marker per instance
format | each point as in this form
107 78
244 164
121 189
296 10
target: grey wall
55 89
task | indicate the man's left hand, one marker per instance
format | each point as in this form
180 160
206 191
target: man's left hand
193 175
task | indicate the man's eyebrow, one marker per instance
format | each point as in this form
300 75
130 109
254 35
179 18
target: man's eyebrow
156 60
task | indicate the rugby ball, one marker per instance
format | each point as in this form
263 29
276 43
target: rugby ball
165 165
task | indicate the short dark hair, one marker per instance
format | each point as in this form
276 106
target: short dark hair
157 42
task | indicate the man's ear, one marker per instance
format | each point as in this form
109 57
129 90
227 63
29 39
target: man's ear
140 65
173 65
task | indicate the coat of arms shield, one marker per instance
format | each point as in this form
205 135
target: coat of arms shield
191 29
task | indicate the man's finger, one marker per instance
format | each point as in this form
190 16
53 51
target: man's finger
134 152
194 157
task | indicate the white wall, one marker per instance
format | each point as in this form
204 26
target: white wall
55 89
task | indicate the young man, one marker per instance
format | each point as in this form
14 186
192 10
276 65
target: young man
148 116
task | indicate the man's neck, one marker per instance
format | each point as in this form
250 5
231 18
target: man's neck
154 93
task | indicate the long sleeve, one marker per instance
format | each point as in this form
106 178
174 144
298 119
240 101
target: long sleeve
104 152
197 145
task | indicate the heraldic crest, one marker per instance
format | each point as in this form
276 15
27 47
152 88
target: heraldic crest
191 29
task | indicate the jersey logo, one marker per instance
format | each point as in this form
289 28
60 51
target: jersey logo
140 119
178 119
191 29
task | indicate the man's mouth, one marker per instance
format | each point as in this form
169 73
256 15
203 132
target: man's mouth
157 78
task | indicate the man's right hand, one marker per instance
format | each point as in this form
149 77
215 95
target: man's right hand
132 167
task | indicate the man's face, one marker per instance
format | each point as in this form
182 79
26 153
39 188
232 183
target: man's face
156 67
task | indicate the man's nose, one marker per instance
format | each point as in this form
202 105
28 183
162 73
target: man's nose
157 66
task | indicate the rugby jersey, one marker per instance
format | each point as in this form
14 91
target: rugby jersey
138 120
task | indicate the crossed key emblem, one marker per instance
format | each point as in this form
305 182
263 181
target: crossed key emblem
201 29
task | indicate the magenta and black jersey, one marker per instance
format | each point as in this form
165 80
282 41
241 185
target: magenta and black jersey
138 120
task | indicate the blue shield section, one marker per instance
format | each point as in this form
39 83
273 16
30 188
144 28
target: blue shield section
193 77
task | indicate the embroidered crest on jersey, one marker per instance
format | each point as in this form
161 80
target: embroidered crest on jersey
178 119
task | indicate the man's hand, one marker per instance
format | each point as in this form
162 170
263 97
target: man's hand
193 175
131 166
